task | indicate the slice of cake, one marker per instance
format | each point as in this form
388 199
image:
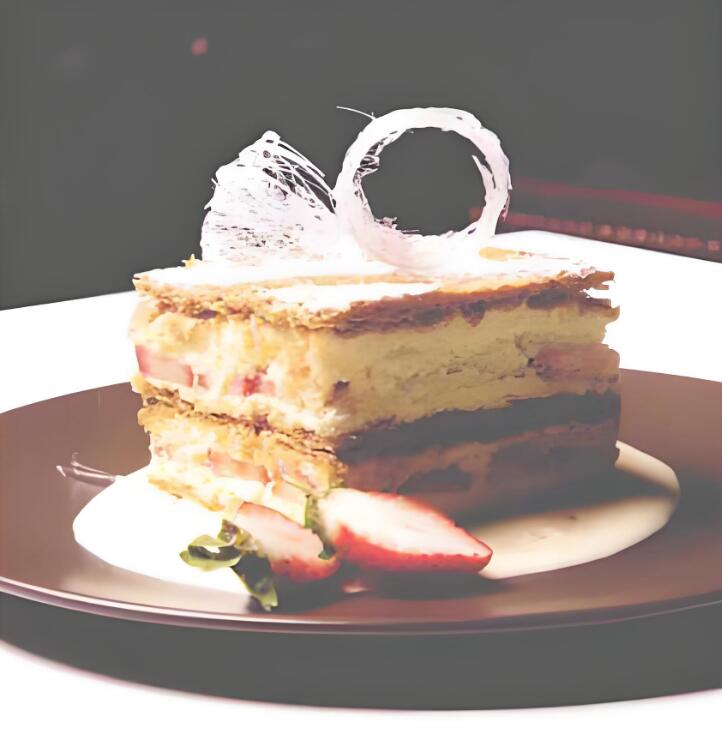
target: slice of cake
337 389
465 393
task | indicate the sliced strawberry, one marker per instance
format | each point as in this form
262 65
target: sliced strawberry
169 369
240 386
225 466
386 532
287 499
268 387
254 383
293 551
204 381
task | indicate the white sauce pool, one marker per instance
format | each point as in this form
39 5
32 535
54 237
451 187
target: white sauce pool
551 540
135 526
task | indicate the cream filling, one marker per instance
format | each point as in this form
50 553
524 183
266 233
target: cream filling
198 481
188 441
332 384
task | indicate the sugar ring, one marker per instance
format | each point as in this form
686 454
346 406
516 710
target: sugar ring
451 252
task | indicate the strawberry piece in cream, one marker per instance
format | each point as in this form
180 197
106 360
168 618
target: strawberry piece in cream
225 466
256 383
153 365
287 499
204 381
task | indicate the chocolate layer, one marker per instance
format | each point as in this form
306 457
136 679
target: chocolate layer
448 428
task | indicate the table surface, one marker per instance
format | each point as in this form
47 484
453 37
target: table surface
670 323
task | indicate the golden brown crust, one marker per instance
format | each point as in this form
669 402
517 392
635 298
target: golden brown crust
470 298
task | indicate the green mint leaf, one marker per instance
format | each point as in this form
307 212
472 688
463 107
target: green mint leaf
255 572
234 548
207 560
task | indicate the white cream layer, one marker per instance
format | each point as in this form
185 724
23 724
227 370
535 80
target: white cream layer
332 384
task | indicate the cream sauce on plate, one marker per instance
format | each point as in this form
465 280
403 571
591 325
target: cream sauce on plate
133 525
575 534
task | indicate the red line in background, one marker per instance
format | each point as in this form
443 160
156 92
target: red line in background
638 237
536 187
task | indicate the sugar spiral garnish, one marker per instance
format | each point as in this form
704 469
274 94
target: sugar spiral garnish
448 253
272 206
269 205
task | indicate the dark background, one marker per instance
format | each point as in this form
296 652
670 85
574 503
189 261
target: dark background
115 116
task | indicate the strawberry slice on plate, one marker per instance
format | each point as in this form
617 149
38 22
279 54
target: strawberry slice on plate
384 532
292 550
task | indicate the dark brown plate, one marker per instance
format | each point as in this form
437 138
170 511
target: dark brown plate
678 420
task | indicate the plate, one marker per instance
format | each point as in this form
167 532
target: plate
678 420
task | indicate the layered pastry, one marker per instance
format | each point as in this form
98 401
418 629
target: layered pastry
342 392
464 394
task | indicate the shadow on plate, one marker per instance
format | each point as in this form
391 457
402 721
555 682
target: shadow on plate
645 657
